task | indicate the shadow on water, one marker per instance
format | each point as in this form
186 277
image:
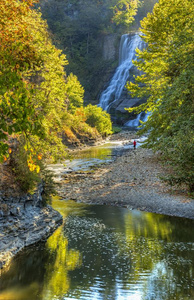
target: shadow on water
103 252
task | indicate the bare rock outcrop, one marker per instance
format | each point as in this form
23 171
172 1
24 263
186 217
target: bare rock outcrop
23 222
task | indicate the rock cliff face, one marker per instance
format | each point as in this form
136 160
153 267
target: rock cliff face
110 51
109 57
23 222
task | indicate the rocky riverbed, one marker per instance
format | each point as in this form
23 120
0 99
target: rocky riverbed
132 181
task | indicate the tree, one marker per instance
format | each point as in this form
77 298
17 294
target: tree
167 82
98 118
124 11
37 99
75 93
31 79
17 55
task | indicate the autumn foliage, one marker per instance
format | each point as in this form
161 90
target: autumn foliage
37 99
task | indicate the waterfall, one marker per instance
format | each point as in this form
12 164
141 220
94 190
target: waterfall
127 53
142 116
135 122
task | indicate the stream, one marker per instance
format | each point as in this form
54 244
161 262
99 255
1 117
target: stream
105 253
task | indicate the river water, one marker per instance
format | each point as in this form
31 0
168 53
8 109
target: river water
106 253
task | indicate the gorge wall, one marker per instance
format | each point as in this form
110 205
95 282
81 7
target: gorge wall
84 30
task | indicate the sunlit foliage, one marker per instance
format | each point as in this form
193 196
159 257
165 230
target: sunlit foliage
32 76
167 82
37 99
99 119
75 93
124 11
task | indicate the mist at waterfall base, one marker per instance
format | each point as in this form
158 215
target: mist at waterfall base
112 94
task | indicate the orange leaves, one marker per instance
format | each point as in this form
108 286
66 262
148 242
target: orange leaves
6 156
81 114
39 156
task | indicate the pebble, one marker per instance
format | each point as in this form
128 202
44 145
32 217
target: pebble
134 179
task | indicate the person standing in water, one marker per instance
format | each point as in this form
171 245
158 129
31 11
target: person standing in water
134 144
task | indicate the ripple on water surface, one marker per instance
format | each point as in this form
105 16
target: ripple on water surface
103 252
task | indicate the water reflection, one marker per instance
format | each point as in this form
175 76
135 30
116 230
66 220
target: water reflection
112 148
89 158
107 253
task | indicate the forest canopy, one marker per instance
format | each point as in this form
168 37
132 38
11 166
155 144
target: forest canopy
38 101
167 82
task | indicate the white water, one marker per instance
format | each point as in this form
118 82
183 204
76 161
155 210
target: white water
142 116
127 53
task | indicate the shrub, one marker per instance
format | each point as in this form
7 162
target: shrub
98 118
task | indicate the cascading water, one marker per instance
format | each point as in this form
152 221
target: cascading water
127 53
136 122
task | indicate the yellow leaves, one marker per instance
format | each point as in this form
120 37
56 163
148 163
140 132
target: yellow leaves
124 11
80 113
36 68
16 41
7 100
32 165
37 169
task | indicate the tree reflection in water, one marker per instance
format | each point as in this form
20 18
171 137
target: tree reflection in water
107 253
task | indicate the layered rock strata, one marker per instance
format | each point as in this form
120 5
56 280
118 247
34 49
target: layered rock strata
23 222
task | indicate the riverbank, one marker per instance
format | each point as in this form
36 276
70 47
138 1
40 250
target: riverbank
23 222
132 181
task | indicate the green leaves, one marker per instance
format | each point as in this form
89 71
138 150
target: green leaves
124 11
167 82
99 119
37 99
75 93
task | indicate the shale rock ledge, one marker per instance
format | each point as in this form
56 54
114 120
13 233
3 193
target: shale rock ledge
23 222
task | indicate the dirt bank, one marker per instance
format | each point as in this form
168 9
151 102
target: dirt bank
132 181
